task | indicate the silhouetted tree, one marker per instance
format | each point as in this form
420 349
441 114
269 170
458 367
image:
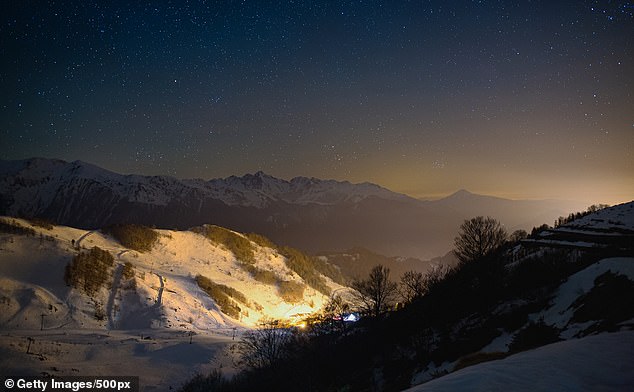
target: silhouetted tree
377 292
478 237
536 230
265 346
412 286
518 235
577 215
335 307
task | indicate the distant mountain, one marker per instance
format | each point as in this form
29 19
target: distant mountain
356 263
307 213
513 213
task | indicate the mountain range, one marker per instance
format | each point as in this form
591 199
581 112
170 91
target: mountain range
308 213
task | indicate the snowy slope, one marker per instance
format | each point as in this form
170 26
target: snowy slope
610 228
615 219
166 294
562 308
594 363
167 327
570 365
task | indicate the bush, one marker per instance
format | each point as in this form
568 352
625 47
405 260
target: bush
13 227
329 270
128 271
100 313
88 271
534 335
41 222
210 382
222 296
546 270
308 268
261 240
128 275
299 262
610 302
304 266
578 215
291 292
479 357
261 275
136 237
265 347
238 245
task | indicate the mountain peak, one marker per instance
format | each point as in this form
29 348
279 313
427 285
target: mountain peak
461 193
261 174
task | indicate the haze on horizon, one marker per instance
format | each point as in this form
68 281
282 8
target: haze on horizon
516 100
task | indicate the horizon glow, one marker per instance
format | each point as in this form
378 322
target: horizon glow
517 100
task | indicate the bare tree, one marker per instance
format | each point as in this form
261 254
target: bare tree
478 237
414 284
377 292
518 235
264 346
335 307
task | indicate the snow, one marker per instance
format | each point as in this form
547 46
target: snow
575 244
609 228
258 189
499 344
166 305
598 363
582 282
254 190
163 360
616 218
432 371
178 258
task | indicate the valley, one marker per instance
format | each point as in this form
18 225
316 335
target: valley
181 303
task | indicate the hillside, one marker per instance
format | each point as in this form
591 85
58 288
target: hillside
142 307
592 363
357 262
162 291
529 315
307 213
611 228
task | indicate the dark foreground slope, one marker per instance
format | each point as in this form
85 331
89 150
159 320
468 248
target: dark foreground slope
521 298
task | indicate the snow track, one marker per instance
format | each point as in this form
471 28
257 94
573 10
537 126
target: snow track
159 298
116 280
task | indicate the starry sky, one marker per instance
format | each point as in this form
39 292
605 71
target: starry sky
520 99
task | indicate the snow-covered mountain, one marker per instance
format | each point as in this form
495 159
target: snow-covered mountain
44 178
307 213
163 292
260 189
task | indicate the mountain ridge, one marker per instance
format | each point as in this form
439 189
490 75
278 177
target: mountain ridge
175 260
307 213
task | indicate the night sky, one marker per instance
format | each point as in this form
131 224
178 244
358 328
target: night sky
521 99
